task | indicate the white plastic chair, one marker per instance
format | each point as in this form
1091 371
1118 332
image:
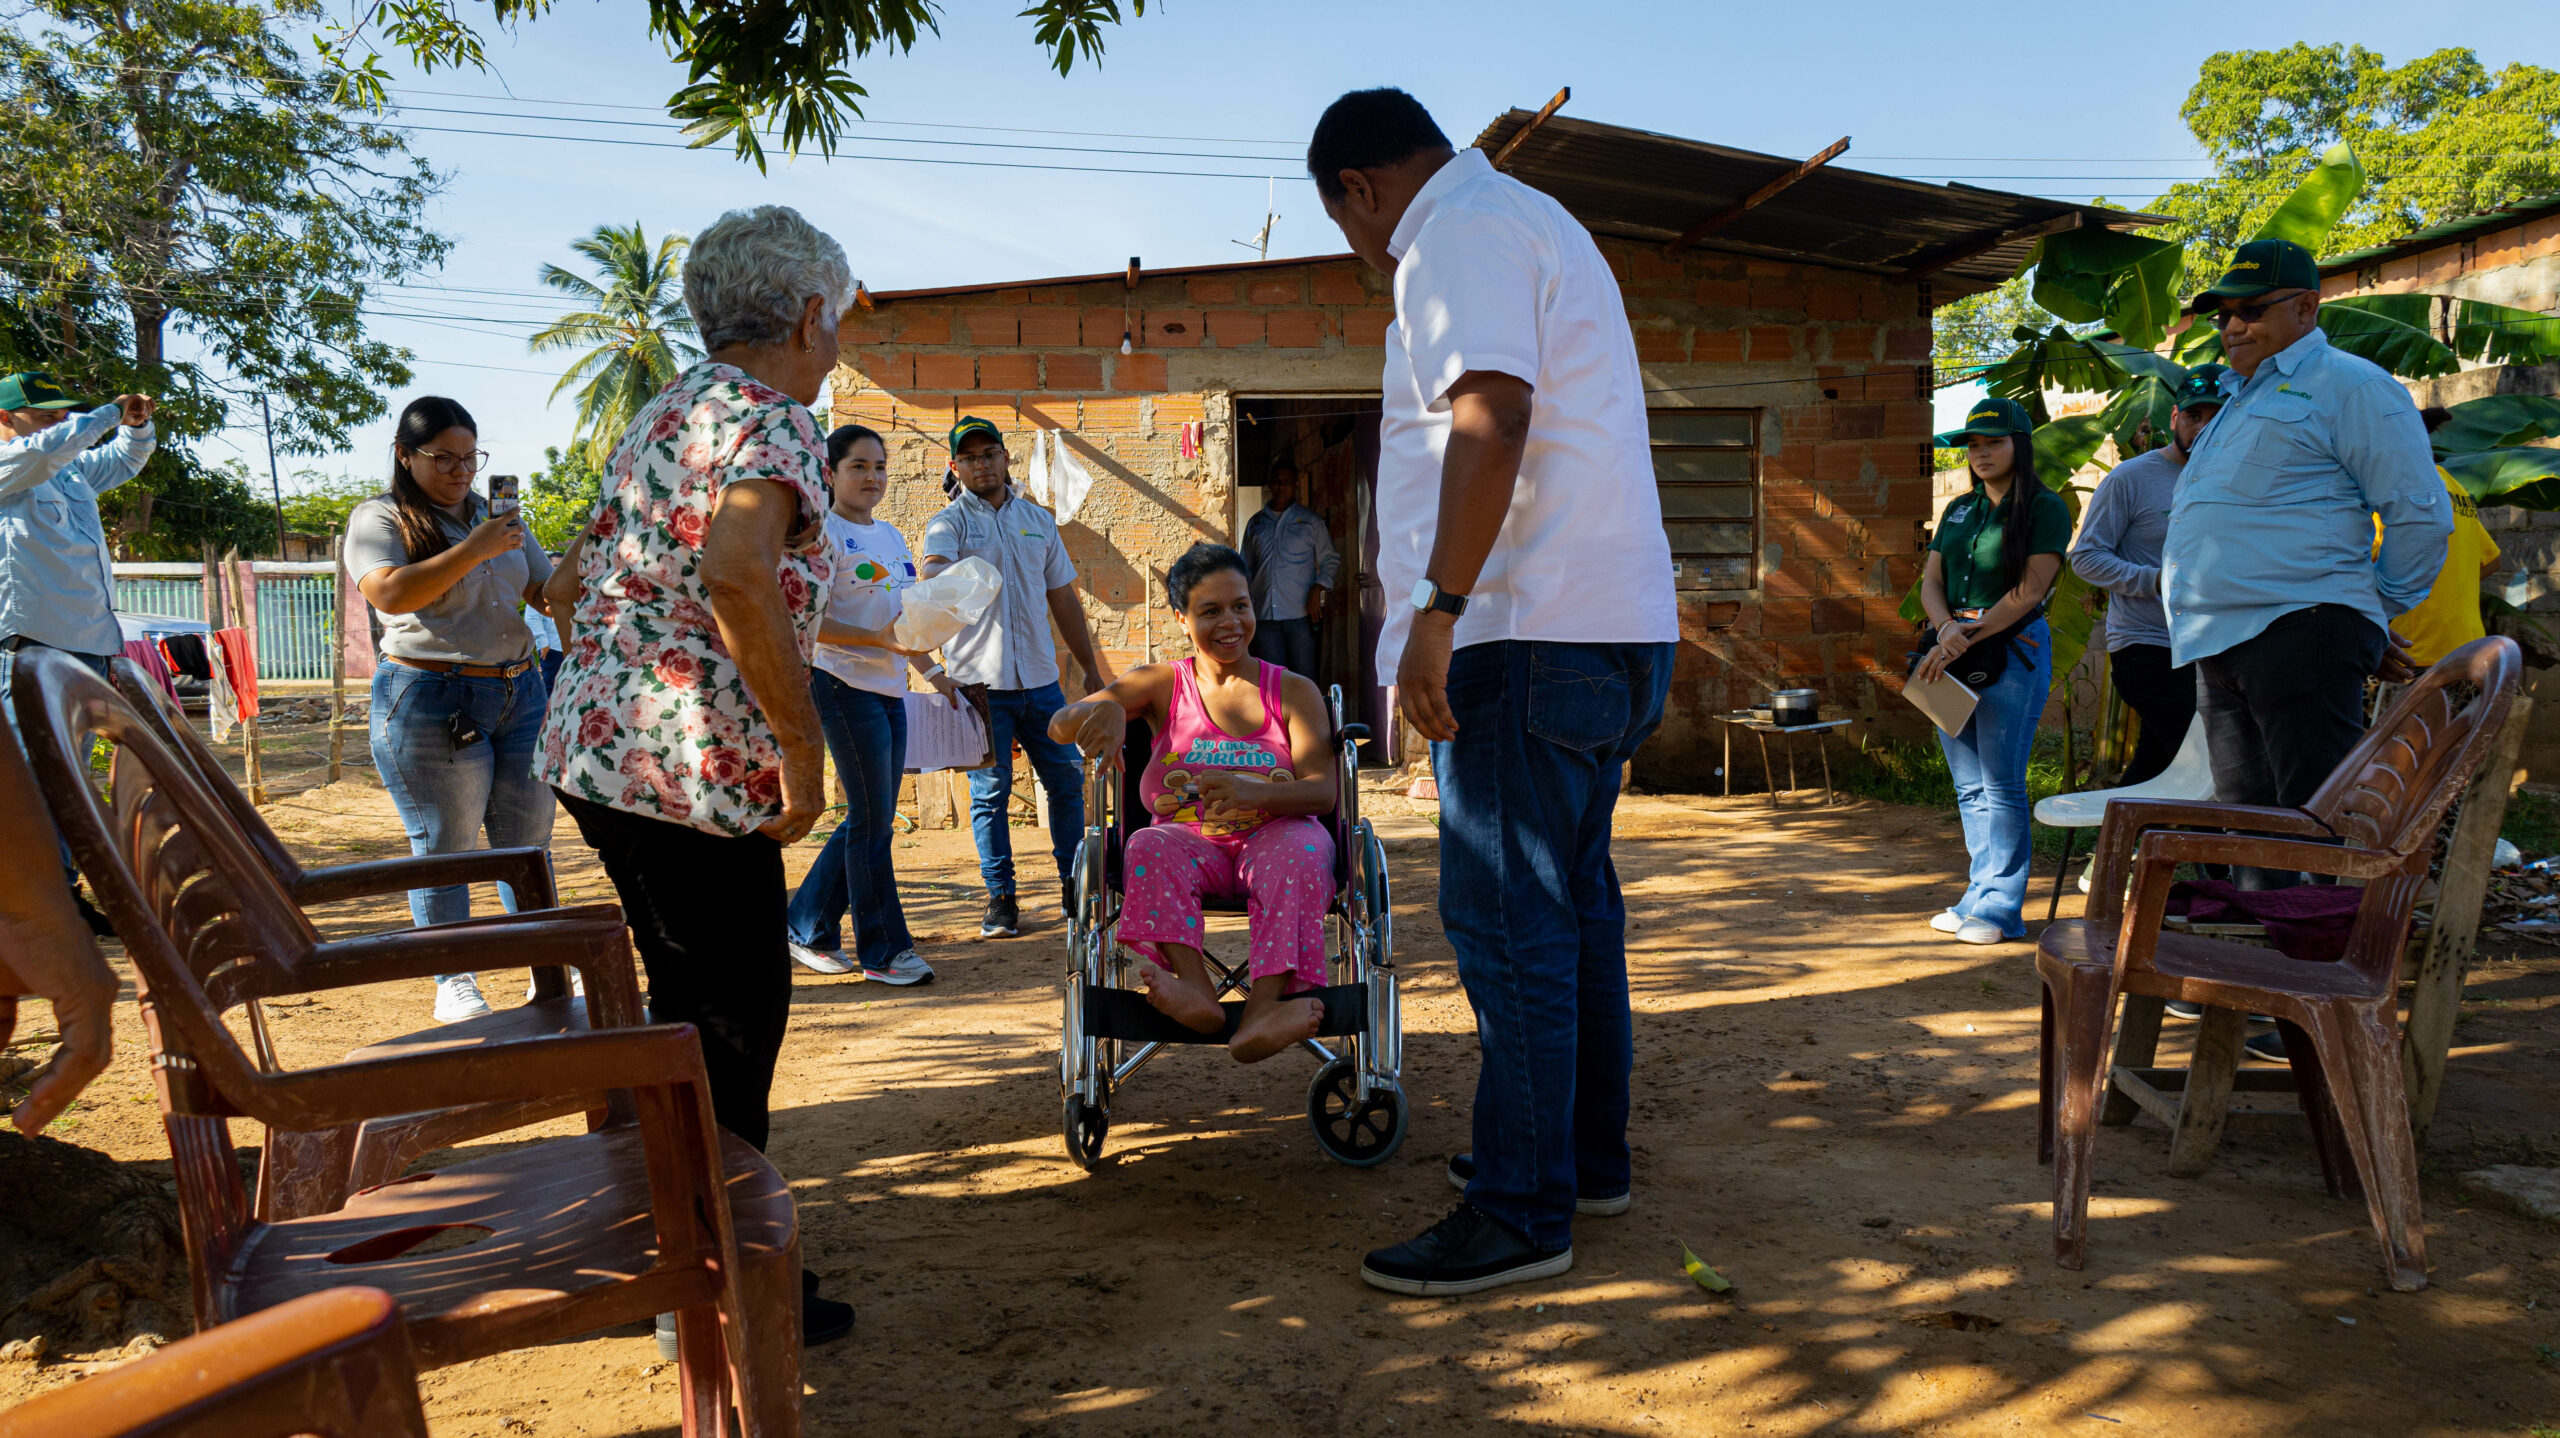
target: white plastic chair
2189 776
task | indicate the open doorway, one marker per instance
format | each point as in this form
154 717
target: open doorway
1332 442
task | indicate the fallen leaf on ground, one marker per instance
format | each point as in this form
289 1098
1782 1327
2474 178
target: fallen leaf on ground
1705 1277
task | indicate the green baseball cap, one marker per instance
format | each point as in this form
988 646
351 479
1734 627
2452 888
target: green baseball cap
1989 417
971 424
2262 267
2203 385
33 389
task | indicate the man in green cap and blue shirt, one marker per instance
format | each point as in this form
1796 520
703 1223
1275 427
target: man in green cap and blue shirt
2123 533
56 588
1010 653
2274 592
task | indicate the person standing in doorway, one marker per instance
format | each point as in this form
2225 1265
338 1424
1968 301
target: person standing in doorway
1516 503
1990 566
459 696
56 586
858 681
2121 536
2272 583
1009 652
1291 557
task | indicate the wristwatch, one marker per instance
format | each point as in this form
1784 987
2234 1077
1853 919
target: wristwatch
1428 597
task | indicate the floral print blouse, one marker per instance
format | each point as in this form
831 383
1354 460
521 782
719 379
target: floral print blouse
649 714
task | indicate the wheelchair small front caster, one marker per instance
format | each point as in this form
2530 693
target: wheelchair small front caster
1085 1127
1350 1132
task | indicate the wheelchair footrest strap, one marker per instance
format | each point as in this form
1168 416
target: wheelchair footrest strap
1126 1014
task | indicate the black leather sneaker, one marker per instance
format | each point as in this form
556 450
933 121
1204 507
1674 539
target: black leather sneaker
822 1320
1462 1171
1467 1252
1003 920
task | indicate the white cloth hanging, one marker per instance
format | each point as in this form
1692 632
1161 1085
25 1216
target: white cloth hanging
222 708
1067 479
1037 480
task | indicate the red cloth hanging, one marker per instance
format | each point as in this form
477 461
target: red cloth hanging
240 666
147 657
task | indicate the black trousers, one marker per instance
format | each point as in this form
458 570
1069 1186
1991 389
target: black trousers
2164 695
2284 707
707 913
1289 643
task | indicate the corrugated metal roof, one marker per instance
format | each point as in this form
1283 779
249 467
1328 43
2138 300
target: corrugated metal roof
1638 185
2532 207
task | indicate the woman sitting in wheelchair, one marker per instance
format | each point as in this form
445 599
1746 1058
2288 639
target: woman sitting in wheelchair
1240 770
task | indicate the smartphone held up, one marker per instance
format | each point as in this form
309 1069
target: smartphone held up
505 496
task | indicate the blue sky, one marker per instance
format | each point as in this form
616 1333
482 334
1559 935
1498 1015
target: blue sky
2067 101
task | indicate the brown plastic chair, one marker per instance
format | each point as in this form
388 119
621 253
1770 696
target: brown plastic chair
334 1364
305 1173
661 1212
2375 821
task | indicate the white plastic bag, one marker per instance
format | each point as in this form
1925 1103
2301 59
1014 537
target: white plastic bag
937 609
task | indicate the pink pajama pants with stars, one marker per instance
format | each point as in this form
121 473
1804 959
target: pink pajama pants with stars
1284 870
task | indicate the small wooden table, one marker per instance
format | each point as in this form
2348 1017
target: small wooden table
1820 729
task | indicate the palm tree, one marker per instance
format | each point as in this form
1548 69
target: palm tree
629 330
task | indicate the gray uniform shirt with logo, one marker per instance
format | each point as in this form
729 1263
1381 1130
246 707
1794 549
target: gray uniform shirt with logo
2122 534
1010 646
480 620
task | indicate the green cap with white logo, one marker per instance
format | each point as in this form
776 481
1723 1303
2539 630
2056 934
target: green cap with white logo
33 389
2262 267
1988 418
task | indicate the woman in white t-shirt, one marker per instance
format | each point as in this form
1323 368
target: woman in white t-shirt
858 679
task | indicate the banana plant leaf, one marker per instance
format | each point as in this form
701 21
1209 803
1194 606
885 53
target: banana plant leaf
2056 360
2313 209
2529 478
2376 327
2066 444
2144 302
2496 606
2496 334
2147 401
2497 421
2070 614
2087 275
2198 344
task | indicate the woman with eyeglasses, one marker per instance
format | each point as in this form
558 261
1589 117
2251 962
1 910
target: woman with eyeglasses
458 693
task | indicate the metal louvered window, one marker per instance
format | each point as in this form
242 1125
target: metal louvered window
1706 467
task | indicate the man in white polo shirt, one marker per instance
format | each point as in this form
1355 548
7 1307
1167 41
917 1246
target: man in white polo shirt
1530 631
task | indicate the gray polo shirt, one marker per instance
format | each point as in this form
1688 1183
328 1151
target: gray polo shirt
479 620
2122 533
1010 646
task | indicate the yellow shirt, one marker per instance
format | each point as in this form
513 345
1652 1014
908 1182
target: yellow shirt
2449 617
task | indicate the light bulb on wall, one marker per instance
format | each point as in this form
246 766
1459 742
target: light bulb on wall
1125 347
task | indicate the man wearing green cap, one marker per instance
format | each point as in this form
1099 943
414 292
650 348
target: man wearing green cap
56 588
2122 534
2273 587
1010 652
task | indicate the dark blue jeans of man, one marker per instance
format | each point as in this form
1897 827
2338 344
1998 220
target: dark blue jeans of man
867 735
1530 902
8 665
1022 716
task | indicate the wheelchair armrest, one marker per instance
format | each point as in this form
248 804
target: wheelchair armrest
1351 733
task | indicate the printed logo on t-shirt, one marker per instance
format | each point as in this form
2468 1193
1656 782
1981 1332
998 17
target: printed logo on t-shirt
1229 754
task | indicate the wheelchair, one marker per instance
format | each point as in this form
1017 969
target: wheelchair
1356 1102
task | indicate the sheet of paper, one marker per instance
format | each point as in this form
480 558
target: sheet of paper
1945 699
943 735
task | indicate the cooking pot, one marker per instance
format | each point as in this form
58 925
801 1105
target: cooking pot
1788 707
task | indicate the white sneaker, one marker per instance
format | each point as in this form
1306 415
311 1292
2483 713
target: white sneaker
1947 922
820 961
1980 931
906 968
458 998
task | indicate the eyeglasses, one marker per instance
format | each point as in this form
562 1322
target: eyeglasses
993 455
472 463
2250 314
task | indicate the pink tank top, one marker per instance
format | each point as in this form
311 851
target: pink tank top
1193 744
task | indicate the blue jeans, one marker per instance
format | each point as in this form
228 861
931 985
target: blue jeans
1530 902
867 734
8 667
1022 716
447 795
1988 761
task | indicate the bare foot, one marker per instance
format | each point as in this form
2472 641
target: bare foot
1269 1028
1187 1002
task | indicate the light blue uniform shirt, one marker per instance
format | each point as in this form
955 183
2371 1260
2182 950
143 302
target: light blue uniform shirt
1010 646
55 584
2274 511
1287 554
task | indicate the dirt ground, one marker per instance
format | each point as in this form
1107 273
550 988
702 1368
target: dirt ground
1833 1105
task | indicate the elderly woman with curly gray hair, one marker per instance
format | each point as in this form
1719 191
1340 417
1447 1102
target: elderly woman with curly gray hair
681 737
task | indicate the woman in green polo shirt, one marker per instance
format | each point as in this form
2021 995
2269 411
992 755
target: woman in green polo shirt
1990 566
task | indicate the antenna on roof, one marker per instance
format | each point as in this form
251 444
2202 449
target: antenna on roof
1260 244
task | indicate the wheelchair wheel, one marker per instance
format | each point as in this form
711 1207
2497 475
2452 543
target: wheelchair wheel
1350 1132
1086 1127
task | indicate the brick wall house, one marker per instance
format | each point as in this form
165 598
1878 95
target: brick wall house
1790 413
